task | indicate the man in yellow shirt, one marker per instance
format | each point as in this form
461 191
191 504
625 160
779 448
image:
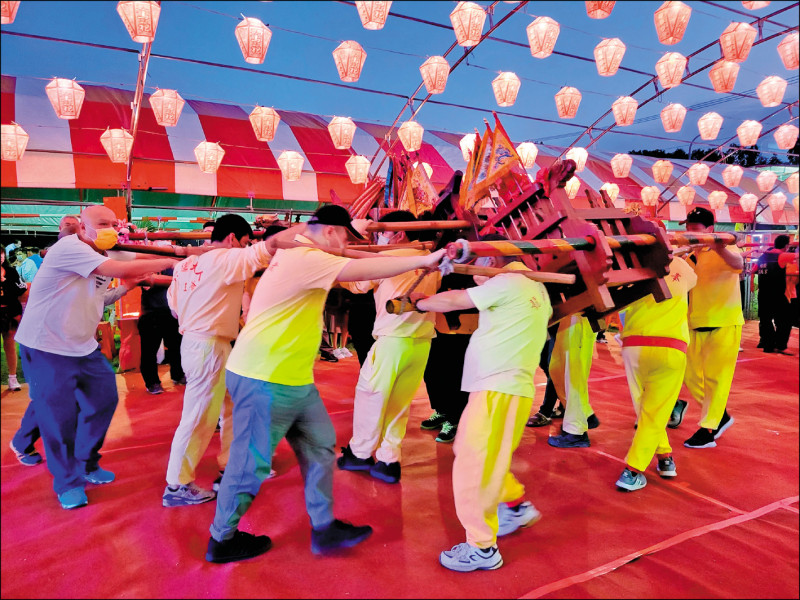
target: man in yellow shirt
654 340
271 382
392 372
498 374
715 324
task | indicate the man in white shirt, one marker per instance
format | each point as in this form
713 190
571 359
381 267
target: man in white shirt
206 297
73 388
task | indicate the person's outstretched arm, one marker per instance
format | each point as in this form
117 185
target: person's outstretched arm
382 267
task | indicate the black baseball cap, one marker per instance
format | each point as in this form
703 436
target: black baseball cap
699 215
333 214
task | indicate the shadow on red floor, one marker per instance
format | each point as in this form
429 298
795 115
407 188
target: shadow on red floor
726 527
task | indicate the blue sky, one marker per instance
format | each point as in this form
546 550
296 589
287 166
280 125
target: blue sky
305 34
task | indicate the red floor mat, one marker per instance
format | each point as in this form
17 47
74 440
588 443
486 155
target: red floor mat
125 544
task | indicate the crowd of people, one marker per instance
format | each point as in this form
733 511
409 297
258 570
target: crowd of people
242 324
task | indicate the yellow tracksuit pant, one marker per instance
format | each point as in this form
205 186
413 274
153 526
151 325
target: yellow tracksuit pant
570 364
710 363
490 430
655 376
389 378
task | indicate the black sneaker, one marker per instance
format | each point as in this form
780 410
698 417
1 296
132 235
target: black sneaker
676 418
181 381
558 412
328 356
703 438
448 433
538 420
388 472
592 421
434 421
241 546
350 462
339 534
725 422
155 389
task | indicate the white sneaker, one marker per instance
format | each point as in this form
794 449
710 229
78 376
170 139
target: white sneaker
465 557
186 495
511 519
13 384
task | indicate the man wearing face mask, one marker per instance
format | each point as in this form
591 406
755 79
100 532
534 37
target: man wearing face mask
72 386
393 370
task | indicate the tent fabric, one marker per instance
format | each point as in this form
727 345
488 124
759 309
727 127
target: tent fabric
67 154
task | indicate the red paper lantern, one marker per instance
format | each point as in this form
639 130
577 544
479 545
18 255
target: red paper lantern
506 87
736 41
670 69
662 169
686 195
253 37
467 145
209 156
568 99
748 132
698 174
140 19
467 19
410 134
14 141
732 175
624 110
748 202
579 155
716 200
118 144
572 186
786 136
8 12
621 165
357 169
612 189
776 201
754 5
434 74
291 165
723 76
771 91
599 10
672 117
264 121
789 50
791 183
66 96
542 36
167 106
671 20
349 57
527 154
650 195
373 15
709 125
766 180
342 130
608 56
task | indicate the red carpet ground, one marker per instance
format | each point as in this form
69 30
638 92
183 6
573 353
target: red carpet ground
726 527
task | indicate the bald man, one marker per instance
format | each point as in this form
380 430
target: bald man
68 225
73 388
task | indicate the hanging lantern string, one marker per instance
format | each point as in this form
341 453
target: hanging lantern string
668 187
687 76
467 52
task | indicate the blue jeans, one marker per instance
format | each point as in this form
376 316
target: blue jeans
73 399
263 414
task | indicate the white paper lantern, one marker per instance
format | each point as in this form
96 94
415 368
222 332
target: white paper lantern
253 37
624 110
8 11
766 180
771 91
118 144
621 165
598 9
467 145
789 50
572 186
264 121
732 175
671 20
349 57
66 96
505 87
650 195
291 165
672 117
723 76
357 168
662 169
748 132
686 195
527 152
709 125
748 202
542 36
776 201
670 69
568 99
140 19
209 156
579 155
716 200
14 141
167 106
792 183
467 19
786 136
612 189
698 173
434 73
342 130
373 14
608 56
736 41
410 134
